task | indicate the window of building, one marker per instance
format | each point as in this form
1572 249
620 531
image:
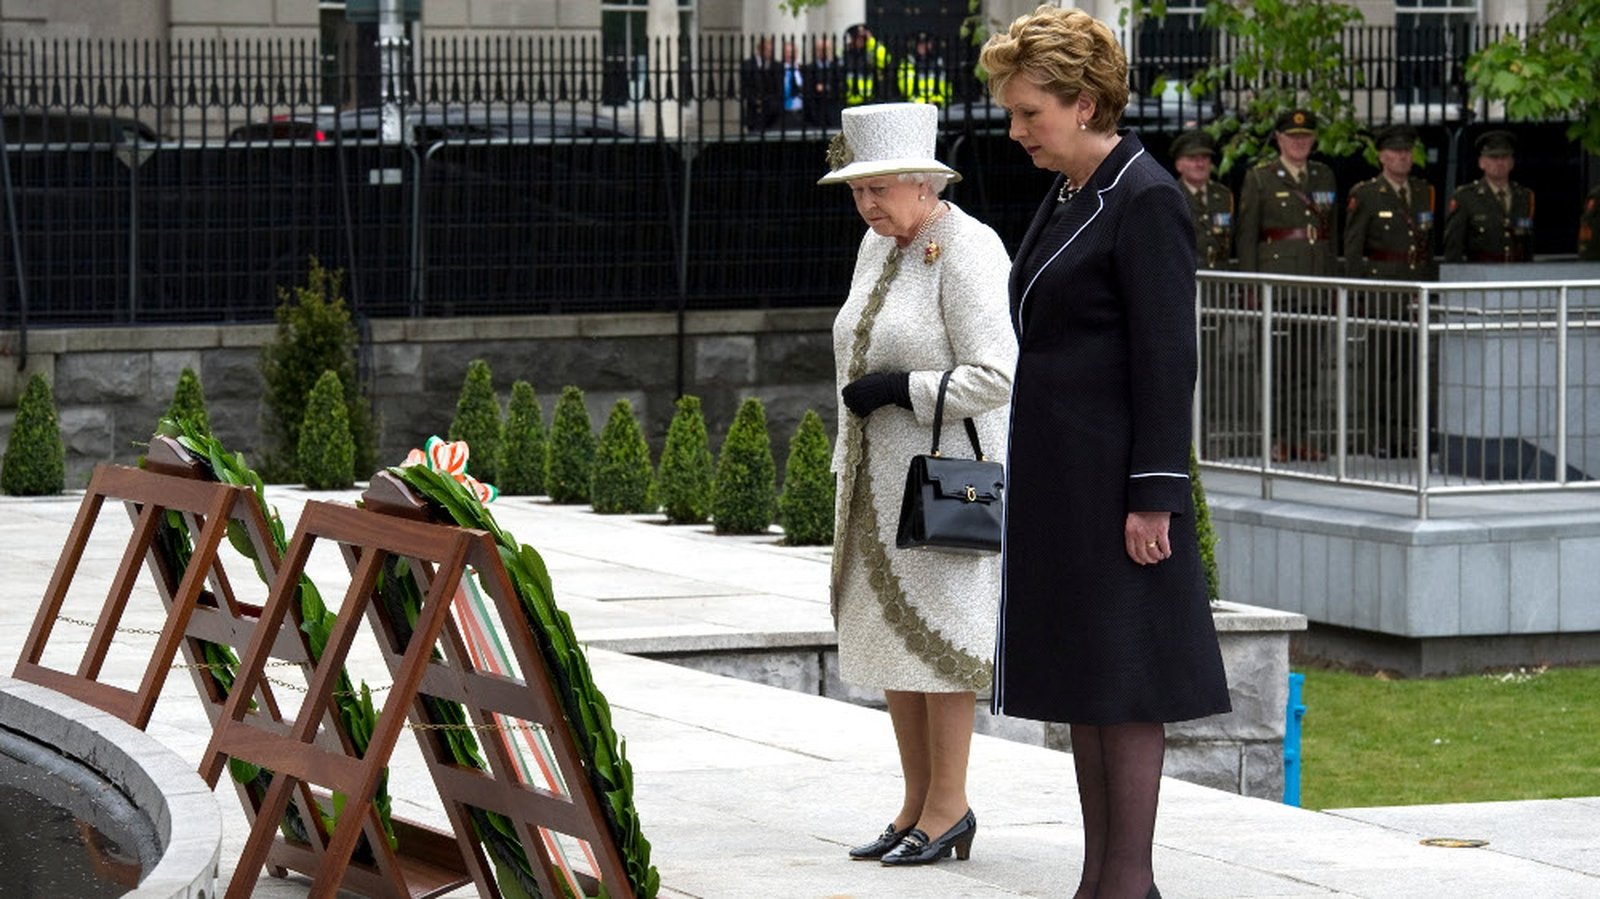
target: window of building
1173 49
625 45
347 50
1432 41
336 42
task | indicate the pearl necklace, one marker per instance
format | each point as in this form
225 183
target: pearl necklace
933 215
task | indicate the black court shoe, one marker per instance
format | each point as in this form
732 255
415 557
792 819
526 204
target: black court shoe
917 849
885 841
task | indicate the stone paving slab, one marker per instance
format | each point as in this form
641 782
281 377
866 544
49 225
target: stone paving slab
1561 833
751 791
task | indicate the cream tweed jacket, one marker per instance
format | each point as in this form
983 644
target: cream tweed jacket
920 620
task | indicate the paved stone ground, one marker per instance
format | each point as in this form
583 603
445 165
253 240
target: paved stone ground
752 791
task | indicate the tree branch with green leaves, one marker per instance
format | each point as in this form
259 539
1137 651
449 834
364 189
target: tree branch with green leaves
1280 55
1549 72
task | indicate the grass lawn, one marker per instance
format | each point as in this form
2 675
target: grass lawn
1369 740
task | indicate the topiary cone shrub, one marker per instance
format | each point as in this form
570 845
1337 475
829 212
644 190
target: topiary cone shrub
745 497
524 445
806 507
1204 530
327 452
571 460
314 335
687 475
620 483
478 422
35 462
189 402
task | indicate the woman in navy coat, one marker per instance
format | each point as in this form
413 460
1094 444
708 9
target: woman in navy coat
1104 621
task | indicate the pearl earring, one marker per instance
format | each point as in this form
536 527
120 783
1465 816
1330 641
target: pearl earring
1082 126
922 198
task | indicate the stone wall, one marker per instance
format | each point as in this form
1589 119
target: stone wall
113 384
1509 580
1240 752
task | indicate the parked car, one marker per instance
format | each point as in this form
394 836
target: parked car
35 125
434 123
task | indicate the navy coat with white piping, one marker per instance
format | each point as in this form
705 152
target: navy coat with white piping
1102 300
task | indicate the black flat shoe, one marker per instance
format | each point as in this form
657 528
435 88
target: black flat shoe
917 849
885 841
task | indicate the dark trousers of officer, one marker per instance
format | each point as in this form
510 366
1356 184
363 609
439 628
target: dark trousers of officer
1390 375
1300 346
1230 375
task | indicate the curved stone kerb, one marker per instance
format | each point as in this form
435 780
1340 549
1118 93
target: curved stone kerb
160 784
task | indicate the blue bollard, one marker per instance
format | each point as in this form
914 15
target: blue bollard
1291 741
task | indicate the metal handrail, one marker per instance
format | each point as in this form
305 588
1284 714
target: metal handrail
1499 410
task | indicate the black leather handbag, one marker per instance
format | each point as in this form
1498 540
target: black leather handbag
954 505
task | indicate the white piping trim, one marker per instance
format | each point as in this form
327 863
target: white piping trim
1099 195
1159 474
997 699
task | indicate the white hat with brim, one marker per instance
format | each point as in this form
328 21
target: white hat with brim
885 139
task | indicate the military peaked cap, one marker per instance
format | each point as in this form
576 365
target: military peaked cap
1193 143
1396 137
1496 143
1297 121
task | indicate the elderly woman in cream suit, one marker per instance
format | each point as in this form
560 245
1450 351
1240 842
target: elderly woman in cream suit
928 296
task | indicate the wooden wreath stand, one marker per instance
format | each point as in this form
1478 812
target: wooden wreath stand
428 862
174 483
394 525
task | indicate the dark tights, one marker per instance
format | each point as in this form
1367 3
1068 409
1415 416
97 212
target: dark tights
1119 781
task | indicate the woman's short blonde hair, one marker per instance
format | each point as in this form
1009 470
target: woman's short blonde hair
1066 52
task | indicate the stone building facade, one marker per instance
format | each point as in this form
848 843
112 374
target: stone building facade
207 19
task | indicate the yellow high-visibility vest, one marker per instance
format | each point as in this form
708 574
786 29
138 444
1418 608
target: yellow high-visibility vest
928 86
860 86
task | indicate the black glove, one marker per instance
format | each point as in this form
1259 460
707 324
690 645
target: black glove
880 388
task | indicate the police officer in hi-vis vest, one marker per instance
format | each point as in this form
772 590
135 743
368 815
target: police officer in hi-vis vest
1491 219
921 76
1287 224
866 67
1389 235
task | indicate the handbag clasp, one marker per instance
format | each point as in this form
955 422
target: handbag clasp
972 494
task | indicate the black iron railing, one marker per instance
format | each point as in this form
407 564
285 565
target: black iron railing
186 181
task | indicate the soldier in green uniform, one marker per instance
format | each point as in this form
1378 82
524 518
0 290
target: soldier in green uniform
1388 228
1491 219
1210 203
1389 235
1286 216
1227 343
1589 227
1287 224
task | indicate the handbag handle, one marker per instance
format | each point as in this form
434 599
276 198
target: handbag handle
938 422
